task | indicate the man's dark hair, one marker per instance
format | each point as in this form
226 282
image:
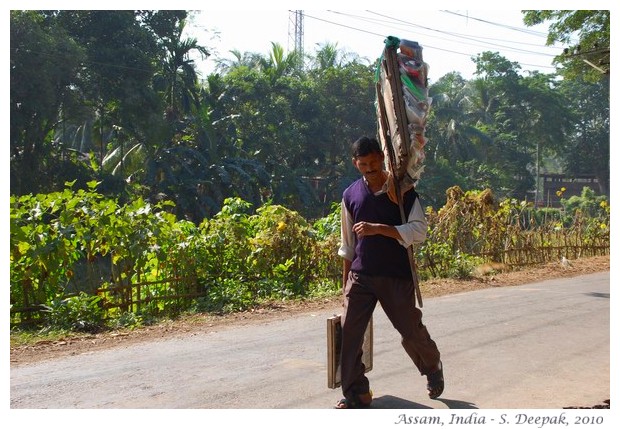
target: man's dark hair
365 146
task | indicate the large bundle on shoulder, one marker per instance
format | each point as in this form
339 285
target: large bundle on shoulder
403 106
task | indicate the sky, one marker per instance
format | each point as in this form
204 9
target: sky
449 37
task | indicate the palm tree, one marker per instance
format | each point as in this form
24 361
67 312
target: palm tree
328 55
456 114
279 64
251 60
177 79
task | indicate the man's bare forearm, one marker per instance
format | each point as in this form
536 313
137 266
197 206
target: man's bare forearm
346 267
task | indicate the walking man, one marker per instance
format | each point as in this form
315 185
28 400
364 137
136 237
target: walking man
376 267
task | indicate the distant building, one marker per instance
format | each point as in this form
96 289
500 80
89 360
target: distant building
551 184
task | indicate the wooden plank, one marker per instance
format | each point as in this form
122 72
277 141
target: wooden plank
334 344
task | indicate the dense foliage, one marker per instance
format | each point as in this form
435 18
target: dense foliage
82 261
585 34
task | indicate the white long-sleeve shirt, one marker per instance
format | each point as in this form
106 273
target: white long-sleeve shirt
411 232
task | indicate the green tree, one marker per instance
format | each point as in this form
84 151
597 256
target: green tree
504 116
241 59
587 57
343 109
296 124
177 78
494 129
546 123
98 93
585 66
456 113
471 128
328 56
587 150
44 63
117 73
279 63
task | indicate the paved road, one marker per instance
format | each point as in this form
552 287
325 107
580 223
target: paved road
538 346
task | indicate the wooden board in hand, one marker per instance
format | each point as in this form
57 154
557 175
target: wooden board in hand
334 332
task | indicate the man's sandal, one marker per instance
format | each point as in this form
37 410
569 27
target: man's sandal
435 383
362 401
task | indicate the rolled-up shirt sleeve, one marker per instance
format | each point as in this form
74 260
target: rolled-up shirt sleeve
347 237
414 231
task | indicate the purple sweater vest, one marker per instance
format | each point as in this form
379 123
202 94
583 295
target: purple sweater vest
378 255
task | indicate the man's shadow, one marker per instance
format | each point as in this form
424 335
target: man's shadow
393 402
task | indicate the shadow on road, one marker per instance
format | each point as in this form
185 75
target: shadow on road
393 402
458 405
598 294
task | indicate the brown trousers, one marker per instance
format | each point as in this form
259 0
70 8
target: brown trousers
397 300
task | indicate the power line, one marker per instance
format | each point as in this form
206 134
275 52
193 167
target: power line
479 39
391 21
345 26
381 35
463 36
480 42
509 27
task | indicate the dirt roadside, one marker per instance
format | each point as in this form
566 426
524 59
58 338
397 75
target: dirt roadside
78 344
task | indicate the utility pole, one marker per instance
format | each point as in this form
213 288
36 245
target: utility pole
537 174
296 34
